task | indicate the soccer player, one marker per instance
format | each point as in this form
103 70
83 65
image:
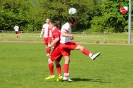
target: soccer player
47 36
67 45
16 29
56 53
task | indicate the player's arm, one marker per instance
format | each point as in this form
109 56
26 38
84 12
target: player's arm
54 42
64 34
41 33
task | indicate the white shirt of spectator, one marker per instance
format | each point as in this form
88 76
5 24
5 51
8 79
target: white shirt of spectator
66 28
45 28
16 28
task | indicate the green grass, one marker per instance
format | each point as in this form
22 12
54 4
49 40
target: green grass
11 36
102 37
24 65
90 38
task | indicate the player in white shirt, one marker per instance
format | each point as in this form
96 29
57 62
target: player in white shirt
16 29
47 35
67 45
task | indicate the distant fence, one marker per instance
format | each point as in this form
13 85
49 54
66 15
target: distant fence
78 37
23 36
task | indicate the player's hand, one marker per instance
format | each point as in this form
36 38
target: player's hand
40 36
49 45
71 37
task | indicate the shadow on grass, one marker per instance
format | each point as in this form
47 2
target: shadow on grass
89 80
81 79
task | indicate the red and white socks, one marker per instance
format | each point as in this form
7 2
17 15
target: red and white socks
87 52
66 74
66 69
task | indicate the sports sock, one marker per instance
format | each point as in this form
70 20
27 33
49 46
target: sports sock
48 50
51 70
87 52
66 75
66 68
58 67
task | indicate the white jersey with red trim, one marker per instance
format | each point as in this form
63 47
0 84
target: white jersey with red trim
16 28
47 31
66 28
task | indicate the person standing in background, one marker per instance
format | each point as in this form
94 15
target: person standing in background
16 29
47 36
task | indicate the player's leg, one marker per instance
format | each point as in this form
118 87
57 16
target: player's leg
66 69
56 56
87 52
49 40
66 54
51 70
58 67
73 46
17 34
47 49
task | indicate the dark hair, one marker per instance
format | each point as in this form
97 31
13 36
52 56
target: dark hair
73 20
48 18
53 22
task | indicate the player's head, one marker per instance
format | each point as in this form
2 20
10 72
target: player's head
47 20
52 24
73 21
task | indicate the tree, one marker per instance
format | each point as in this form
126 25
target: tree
30 15
109 21
58 10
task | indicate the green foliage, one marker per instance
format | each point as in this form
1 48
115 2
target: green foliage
87 37
30 15
110 20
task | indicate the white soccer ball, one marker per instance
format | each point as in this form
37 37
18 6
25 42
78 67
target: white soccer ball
72 11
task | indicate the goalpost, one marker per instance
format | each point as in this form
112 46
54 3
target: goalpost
129 22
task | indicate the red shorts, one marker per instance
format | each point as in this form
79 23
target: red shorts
16 32
47 40
67 47
56 54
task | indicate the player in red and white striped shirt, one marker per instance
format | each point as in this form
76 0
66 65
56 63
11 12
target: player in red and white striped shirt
47 35
67 45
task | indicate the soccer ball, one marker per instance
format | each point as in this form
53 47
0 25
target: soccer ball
72 11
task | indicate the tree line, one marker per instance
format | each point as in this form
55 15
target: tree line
93 15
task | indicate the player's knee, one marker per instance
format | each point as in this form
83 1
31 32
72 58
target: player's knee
50 61
80 47
67 61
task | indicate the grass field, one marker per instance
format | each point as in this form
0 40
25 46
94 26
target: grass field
80 37
24 65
